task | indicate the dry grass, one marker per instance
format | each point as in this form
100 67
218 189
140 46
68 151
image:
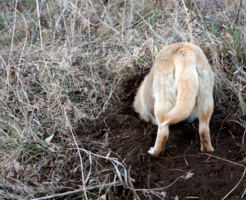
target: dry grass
76 55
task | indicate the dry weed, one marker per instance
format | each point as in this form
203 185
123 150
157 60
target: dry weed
63 61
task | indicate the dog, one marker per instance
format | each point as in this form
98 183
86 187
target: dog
178 87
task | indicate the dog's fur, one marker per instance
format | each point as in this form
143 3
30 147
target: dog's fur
178 87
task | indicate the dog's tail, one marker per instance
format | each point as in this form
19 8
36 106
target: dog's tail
186 79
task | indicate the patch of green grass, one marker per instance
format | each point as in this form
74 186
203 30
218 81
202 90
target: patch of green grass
213 27
126 117
13 145
36 88
1 22
35 128
33 150
29 3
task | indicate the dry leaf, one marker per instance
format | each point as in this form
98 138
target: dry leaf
6 157
113 61
6 171
40 134
103 88
11 177
91 92
189 175
48 139
142 53
59 134
103 197
85 89
68 105
107 156
164 194
93 100
136 51
85 23
28 167
18 168
48 163
58 179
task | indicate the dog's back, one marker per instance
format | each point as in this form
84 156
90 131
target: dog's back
179 84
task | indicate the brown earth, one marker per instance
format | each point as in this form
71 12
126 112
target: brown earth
128 138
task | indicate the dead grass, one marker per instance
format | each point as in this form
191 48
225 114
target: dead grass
69 65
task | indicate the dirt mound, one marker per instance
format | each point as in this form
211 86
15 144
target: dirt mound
204 176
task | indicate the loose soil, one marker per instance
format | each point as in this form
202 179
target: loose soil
128 138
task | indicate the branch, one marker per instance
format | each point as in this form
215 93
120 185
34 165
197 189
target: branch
80 190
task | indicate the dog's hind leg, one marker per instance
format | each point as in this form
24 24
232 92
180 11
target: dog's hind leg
162 133
204 117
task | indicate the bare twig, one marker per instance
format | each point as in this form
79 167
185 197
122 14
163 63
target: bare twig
188 22
151 28
237 65
123 24
39 24
162 188
209 35
243 143
102 20
244 192
34 34
80 157
80 190
115 163
239 9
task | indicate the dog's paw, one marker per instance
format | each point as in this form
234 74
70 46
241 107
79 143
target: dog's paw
208 149
211 149
152 152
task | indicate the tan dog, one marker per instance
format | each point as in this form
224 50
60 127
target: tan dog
179 86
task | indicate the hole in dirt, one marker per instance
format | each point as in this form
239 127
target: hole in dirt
103 132
130 138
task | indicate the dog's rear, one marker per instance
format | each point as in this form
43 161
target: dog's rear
179 85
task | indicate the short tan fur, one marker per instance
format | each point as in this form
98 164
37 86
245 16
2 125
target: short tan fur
179 86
